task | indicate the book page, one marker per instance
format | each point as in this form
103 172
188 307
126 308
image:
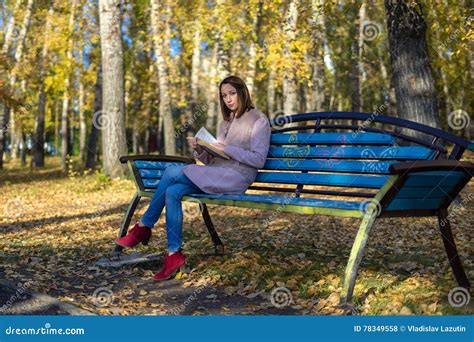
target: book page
204 134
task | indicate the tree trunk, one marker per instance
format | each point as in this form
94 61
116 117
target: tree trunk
65 105
212 94
82 123
252 54
158 27
318 28
196 60
289 80
411 70
10 114
113 112
38 141
91 158
271 93
22 144
56 127
356 55
4 108
10 28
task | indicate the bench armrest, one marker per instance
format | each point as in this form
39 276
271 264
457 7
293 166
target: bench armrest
431 165
156 157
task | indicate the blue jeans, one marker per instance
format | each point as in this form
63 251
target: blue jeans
172 187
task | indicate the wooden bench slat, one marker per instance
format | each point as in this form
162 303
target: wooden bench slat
333 138
352 152
330 165
285 200
355 181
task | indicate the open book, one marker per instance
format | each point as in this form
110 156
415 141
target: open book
205 139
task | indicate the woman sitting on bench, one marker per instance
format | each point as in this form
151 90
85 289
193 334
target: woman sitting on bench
243 135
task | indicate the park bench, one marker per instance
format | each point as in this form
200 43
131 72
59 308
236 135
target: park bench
341 164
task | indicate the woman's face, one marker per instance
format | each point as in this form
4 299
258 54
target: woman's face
230 97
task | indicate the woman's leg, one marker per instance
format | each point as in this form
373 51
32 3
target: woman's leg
174 212
172 175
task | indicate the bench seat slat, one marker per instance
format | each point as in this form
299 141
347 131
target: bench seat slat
333 138
356 181
285 200
353 152
329 165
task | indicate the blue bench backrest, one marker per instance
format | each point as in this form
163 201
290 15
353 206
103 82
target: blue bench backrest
336 159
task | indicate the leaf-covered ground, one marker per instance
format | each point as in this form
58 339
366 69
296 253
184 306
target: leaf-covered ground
53 229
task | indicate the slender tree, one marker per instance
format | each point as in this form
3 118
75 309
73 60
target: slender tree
158 12
38 140
111 119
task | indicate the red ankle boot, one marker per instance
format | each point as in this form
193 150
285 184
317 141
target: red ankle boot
135 235
171 265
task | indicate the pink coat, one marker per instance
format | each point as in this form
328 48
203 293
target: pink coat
246 140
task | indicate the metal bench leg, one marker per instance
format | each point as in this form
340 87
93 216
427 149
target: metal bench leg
126 221
356 255
218 245
451 250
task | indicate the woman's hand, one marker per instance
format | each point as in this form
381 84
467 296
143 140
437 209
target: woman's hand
192 141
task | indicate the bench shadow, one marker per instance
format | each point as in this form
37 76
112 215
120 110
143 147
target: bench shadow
36 224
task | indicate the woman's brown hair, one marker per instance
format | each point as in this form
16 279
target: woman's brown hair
245 102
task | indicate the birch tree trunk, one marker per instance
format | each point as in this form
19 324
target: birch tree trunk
318 28
38 141
112 124
196 60
356 55
91 158
212 95
9 113
271 93
158 10
289 79
10 28
65 102
252 59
